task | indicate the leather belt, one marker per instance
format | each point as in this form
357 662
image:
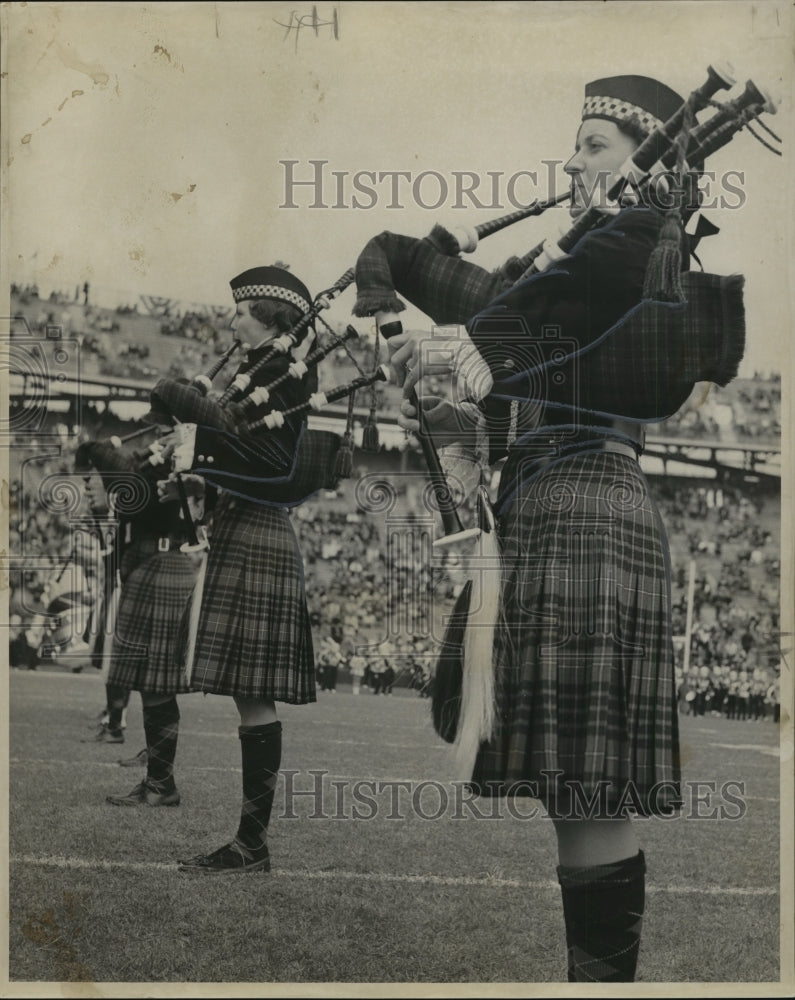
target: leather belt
161 543
538 462
233 501
562 438
618 447
524 464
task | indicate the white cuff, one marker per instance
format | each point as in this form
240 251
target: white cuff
185 449
473 370
452 346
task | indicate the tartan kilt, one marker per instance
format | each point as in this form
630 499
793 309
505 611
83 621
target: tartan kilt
155 590
254 638
584 665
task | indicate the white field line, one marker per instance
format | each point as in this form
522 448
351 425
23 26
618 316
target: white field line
769 750
88 864
130 771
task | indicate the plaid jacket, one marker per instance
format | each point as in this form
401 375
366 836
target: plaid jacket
446 288
576 344
266 466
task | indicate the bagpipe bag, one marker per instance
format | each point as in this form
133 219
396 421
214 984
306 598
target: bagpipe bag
630 357
264 466
572 346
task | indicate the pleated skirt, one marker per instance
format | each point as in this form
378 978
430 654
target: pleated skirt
584 664
254 638
155 590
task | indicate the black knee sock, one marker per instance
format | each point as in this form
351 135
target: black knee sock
603 907
261 749
116 699
161 725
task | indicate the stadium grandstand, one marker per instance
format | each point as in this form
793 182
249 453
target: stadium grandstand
80 370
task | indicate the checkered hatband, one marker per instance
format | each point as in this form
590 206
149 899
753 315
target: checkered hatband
271 282
611 107
245 292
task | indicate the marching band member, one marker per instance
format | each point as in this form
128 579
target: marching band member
584 666
157 579
253 640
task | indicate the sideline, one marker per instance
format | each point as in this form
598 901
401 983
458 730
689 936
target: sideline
53 861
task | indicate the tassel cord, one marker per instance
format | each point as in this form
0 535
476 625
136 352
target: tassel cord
343 465
663 280
764 142
370 440
342 344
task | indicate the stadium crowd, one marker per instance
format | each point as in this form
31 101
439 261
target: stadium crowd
734 657
747 410
377 600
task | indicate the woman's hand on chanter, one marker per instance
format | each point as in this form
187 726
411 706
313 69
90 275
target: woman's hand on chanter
417 354
167 488
447 422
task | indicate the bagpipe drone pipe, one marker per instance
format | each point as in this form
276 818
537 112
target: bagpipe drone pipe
633 359
257 429
130 476
290 462
269 379
640 363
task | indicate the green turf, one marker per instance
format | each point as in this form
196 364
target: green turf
94 894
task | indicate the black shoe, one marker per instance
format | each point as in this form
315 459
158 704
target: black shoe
145 795
141 759
228 860
105 735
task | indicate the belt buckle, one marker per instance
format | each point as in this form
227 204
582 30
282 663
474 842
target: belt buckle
163 544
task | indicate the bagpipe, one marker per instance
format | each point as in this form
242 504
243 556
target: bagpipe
131 471
270 392
272 373
686 327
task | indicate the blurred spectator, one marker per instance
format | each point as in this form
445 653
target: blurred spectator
357 665
329 658
368 579
21 654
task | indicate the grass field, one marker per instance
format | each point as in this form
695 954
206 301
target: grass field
401 896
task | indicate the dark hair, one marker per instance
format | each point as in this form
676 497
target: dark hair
274 312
